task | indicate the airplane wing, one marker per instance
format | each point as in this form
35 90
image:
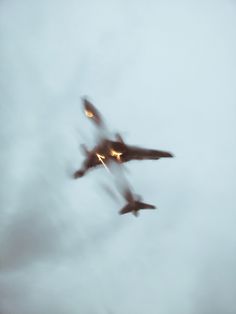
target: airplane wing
133 152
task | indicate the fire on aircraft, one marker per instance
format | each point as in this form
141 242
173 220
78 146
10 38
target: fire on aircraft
109 151
115 150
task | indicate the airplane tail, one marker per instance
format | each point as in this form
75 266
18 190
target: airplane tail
141 205
134 207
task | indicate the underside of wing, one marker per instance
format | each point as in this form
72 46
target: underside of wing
142 153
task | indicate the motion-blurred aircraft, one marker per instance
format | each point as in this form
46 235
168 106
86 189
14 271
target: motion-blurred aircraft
112 150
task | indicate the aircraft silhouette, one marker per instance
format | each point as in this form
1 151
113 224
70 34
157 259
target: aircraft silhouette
112 150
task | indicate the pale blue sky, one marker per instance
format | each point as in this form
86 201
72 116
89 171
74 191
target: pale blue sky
164 74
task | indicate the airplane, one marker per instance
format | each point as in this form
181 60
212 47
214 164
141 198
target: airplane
134 204
112 150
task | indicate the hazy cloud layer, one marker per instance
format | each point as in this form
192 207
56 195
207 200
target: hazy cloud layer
162 72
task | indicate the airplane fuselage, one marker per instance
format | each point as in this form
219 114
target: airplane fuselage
118 152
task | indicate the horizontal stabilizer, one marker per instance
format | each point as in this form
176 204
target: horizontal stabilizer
134 207
141 205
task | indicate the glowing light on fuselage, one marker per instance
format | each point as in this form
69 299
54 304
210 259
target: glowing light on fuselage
116 154
89 114
100 158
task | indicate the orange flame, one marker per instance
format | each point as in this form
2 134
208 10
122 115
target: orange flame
100 158
89 114
116 154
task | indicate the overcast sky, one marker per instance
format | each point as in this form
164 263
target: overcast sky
163 73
